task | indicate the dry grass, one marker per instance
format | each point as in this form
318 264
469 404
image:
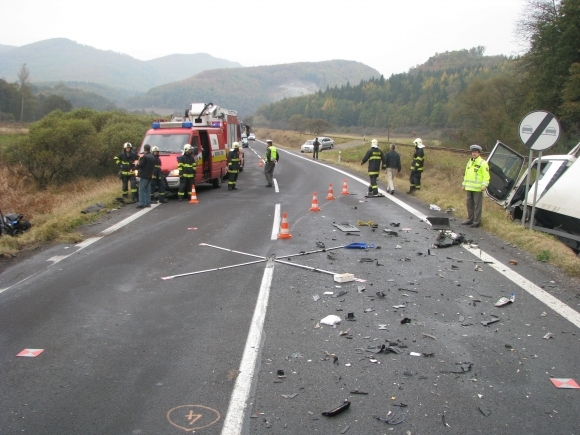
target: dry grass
441 185
54 213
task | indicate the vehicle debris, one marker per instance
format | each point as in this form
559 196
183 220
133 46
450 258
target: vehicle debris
434 207
340 293
405 320
381 294
392 418
504 301
365 224
548 336
395 224
359 245
485 411
358 392
478 268
346 227
390 232
350 317
424 334
331 320
343 407
289 396
489 322
564 383
514 262
315 297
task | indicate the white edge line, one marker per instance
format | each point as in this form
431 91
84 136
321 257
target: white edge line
276 223
234 419
125 221
543 296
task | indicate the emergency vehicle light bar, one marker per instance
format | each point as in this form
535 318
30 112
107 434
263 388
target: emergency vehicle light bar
157 125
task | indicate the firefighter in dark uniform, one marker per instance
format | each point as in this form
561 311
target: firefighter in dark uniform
376 160
126 162
158 179
417 166
187 165
233 166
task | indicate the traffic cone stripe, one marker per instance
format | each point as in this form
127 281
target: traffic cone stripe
330 195
344 188
314 203
284 229
193 199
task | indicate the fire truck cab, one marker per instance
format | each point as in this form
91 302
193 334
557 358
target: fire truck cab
209 129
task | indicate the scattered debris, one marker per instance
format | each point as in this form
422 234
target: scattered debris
390 232
383 327
392 418
405 320
331 320
347 427
315 297
478 268
434 207
320 245
485 411
280 373
514 262
398 247
548 336
564 383
340 293
359 245
289 396
337 410
346 227
400 306
365 224
489 322
350 317
504 301
443 420
450 210
361 288
366 260
342 333
358 392
343 277
415 354
395 224
381 294
94 208
428 335
464 368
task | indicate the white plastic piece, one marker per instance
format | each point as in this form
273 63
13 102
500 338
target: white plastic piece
331 320
343 277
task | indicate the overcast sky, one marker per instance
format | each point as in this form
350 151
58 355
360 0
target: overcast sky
388 35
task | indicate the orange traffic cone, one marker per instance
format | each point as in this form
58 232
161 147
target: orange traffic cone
193 198
344 188
330 193
261 163
314 203
284 229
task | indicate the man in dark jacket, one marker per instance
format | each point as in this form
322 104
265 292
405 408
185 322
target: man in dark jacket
392 163
187 166
126 162
417 166
146 167
158 180
376 158
233 166
315 148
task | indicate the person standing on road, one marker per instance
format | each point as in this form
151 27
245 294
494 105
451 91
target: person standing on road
475 181
187 166
158 179
417 166
270 159
233 166
126 162
376 159
315 148
146 168
392 163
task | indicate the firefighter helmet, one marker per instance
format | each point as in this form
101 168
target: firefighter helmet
127 145
419 143
235 145
187 147
154 149
375 143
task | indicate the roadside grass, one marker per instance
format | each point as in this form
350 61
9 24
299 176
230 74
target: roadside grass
441 185
55 213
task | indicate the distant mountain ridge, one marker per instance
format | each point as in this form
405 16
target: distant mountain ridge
63 60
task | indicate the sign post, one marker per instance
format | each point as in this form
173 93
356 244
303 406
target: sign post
538 131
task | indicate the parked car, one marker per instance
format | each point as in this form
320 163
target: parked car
244 141
252 136
326 143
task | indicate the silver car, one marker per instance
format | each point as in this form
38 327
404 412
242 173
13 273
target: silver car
326 143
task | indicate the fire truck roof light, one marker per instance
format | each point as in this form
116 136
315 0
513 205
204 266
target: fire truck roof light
187 124
156 125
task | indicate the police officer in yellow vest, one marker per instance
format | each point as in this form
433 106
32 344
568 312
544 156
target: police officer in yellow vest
475 181
270 159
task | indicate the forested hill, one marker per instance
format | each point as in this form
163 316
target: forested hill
63 60
426 96
244 89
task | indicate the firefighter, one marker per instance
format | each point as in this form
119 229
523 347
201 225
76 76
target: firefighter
475 181
270 159
233 166
186 164
126 162
417 166
158 180
376 159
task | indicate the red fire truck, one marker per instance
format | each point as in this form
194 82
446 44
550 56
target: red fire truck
209 129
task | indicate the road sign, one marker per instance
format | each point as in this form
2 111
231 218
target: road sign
539 130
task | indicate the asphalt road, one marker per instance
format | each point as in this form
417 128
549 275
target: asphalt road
128 352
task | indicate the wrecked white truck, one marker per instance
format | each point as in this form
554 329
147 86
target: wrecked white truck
557 208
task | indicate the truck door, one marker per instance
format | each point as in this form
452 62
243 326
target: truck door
505 166
205 154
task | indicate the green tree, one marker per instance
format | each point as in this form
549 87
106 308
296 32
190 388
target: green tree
297 123
318 126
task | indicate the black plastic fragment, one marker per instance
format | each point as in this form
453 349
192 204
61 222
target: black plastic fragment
405 320
485 411
337 410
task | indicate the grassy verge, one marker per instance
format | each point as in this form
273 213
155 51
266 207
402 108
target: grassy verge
441 185
54 213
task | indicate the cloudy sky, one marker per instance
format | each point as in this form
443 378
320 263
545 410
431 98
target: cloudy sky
388 35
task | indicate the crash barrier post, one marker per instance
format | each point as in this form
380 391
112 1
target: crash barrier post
193 198
314 206
284 229
344 188
330 195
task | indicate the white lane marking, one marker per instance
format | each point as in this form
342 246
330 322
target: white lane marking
543 296
276 188
234 419
79 246
276 224
561 308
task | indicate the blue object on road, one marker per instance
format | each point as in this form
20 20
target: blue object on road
359 245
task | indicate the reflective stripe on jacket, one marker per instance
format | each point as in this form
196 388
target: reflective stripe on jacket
476 176
126 162
234 161
375 158
187 166
418 160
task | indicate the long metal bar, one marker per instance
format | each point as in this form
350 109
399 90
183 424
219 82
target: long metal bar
306 267
538 174
231 250
213 270
530 166
310 252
